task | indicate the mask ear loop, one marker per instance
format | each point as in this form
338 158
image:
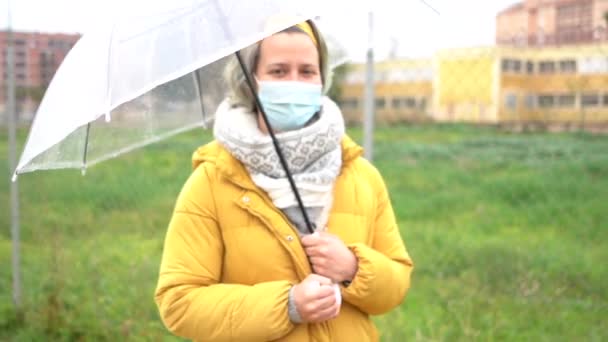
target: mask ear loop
310 226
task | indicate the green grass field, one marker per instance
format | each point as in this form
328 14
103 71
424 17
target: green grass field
509 233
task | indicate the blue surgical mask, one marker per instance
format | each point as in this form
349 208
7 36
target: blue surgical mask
289 105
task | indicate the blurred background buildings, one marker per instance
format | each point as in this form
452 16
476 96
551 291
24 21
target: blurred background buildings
549 67
37 57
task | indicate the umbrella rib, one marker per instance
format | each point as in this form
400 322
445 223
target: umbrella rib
197 79
86 147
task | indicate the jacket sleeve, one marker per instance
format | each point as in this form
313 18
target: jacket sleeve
383 277
191 300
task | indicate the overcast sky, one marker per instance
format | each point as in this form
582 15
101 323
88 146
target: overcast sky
410 25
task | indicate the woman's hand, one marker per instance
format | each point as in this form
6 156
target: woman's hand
330 257
315 299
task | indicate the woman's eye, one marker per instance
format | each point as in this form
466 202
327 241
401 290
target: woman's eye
309 72
276 72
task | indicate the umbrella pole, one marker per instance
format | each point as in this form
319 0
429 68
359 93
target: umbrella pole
275 142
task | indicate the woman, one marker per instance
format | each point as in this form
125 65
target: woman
238 264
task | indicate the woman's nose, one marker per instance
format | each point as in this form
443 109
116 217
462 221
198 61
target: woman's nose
293 76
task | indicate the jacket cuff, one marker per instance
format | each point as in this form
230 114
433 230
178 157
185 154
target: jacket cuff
294 315
363 282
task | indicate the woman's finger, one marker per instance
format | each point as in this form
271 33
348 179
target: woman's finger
318 250
310 240
326 313
318 261
328 300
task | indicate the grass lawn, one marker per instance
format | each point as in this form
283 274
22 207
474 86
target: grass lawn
509 233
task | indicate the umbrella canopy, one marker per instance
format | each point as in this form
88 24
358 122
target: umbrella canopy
157 71
145 77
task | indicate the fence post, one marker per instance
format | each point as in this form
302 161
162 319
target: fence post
12 156
369 103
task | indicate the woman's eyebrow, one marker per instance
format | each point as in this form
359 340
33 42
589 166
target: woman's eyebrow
312 65
280 64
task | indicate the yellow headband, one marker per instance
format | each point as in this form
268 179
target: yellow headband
305 26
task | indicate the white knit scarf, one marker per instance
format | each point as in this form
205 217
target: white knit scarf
313 154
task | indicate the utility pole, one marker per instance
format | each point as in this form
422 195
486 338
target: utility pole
369 102
12 161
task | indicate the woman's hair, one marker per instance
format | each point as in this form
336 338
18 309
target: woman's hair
239 92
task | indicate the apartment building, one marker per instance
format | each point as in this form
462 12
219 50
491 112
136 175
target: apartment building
37 57
553 22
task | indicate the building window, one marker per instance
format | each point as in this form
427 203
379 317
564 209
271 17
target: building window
396 103
411 102
349 103
530 101
590 100
566 100
511 101
574 22
422 103
599 32
511 65
546 67
530 67
546 101
403 102
380 102
505 65
605 100
593 65
516 65
567 66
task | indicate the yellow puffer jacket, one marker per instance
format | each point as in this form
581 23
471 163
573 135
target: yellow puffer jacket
230 257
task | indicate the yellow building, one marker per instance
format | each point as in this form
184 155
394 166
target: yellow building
549 85
403 90
466 85
554 84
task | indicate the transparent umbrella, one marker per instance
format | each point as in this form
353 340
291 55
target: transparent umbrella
144 77
157 71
